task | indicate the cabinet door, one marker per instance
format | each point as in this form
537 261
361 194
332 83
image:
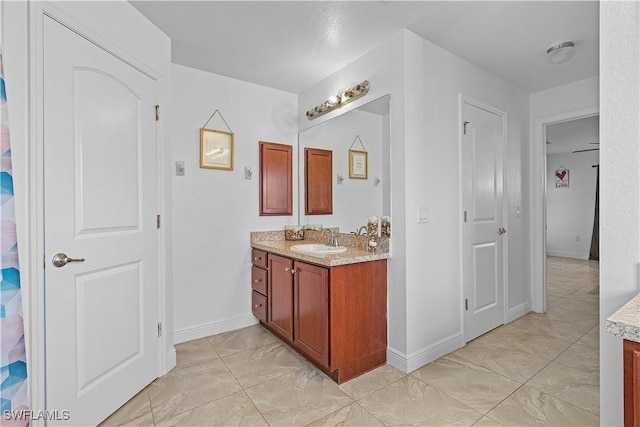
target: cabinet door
281 295
311 311
318 181
631 358
276 179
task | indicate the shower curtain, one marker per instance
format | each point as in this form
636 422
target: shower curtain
13 360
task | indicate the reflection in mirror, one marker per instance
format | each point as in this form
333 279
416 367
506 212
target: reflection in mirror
365 128
318 184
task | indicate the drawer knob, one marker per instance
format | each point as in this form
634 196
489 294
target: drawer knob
286 269
257 280
256 258
257 306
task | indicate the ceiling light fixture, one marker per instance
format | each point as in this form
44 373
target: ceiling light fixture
337 101
561 52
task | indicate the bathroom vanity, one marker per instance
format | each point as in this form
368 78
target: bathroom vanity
331 309
625 323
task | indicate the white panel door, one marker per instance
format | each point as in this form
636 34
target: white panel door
483 228
100 205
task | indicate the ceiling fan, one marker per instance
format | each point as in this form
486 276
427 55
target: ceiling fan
588 149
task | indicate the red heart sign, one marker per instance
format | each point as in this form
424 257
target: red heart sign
561 175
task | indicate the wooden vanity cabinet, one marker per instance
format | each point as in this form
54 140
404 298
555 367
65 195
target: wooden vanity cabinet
281 296
318 181
259 300
276 179
631 358
311 311
335 316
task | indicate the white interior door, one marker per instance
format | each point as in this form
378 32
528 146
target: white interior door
483 228
100 205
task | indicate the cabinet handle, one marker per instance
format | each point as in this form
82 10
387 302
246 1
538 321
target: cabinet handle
256 258
286 269
257 280
257 306
293 271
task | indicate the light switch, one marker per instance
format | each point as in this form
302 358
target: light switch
179 168
248 172
423 214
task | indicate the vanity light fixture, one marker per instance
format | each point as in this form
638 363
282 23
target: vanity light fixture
351 94
561 52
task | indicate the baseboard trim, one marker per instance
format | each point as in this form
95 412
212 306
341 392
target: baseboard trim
213 328
415 360
172 359
519 311
563 254
397 359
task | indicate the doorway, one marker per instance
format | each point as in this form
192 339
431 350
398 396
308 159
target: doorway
539 202
572 148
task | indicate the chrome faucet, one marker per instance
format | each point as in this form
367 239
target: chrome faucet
362 231
333 239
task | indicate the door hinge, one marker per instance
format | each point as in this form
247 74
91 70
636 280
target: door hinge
159 329
157 113
466 304
465 216
464 127
158 221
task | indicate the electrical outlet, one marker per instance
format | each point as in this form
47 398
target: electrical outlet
423 214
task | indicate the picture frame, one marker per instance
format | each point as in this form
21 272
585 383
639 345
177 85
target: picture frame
561 177
358 164
216 149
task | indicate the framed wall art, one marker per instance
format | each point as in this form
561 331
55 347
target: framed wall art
561 177
358 164
216 149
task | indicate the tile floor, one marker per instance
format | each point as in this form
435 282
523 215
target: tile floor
541 369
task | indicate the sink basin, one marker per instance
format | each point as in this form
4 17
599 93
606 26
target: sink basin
318 249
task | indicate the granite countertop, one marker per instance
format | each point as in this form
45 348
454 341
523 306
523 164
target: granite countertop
353 255
625 322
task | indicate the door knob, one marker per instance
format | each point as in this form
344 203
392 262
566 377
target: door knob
501 231
61 259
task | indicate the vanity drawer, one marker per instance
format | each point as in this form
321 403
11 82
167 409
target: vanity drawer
259 280
259 258
259 305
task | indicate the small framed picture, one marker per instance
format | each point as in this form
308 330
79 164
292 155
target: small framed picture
216 149
562 177
358 164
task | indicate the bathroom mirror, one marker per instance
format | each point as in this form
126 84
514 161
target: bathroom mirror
365 128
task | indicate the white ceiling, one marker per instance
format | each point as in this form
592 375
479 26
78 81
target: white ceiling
292 45
567 137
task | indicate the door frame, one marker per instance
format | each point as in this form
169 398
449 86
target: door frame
466 99
34 271
539 201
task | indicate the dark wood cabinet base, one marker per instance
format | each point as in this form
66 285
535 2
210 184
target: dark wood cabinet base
354 368
336 317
